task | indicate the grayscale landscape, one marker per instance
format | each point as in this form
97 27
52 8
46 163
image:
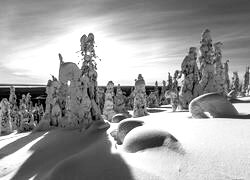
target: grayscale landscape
130 90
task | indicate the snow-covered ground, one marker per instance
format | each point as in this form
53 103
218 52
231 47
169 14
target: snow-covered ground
214 149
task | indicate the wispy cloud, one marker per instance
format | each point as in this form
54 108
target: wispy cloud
133 36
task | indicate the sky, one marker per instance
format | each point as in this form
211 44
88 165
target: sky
132 36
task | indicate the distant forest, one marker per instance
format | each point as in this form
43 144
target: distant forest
39 92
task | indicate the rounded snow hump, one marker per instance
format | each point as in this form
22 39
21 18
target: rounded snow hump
212 105
124 127
142 138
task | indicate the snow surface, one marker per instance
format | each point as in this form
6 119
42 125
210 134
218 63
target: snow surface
214 149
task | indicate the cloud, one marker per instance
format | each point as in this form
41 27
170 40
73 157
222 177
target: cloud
13 77
138 35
